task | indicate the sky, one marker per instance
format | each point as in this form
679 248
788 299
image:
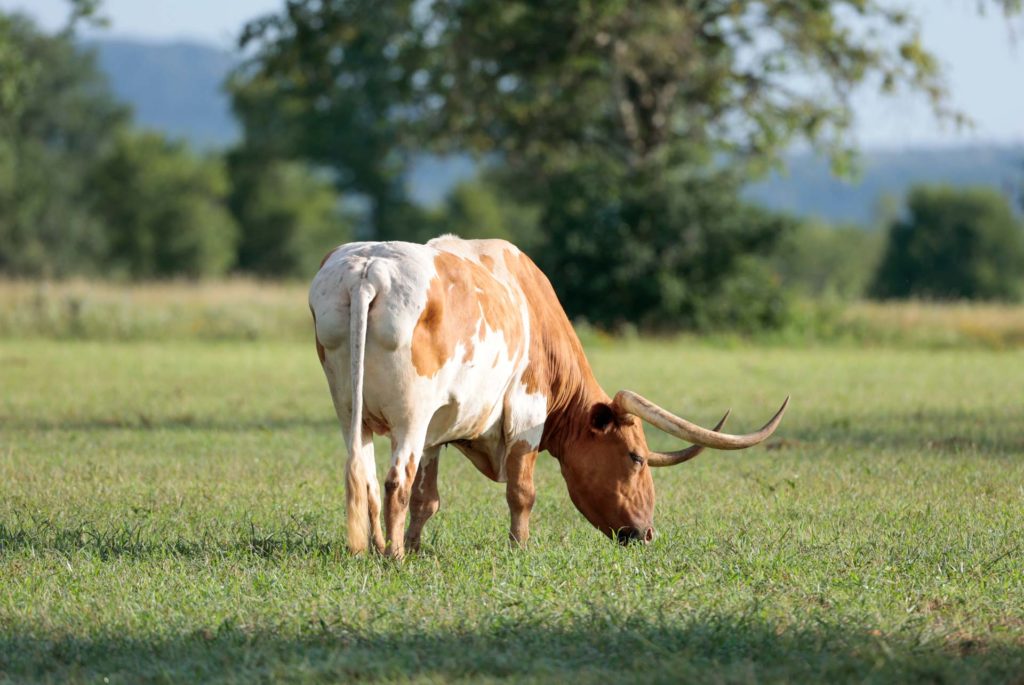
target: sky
984 65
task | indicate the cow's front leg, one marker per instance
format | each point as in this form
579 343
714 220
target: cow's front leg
520 493
425 500
397 487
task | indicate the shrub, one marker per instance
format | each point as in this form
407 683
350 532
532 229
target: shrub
953 244
163 209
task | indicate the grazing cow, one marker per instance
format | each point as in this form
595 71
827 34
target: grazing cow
463 342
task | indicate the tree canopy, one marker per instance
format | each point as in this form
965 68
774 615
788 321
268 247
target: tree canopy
629 126
358 84
56 118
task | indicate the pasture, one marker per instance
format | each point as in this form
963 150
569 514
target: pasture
173 512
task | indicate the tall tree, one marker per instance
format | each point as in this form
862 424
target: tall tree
638 79
57 115
630 123
331 82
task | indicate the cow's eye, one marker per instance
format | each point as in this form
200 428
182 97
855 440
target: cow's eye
636 458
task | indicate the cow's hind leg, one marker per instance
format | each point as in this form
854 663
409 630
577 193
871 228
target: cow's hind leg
362 494
373 495
406 452
362 491
425 500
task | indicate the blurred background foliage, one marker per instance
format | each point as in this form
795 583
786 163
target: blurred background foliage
953 244
615 142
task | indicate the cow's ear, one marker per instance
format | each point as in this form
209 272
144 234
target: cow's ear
602 417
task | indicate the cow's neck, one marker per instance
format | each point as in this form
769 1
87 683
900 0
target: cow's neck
557 365
573 392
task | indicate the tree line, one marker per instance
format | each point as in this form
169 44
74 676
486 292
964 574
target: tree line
83 191
614 140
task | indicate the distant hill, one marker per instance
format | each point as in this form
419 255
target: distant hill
807 188
176 88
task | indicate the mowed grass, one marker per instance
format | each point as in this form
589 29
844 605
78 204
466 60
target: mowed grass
173 512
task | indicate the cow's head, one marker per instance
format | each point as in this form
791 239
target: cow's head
607 468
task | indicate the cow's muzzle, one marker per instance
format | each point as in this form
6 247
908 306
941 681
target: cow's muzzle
625 536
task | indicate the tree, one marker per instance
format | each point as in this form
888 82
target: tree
953 244
478 208
329 83
658 251
629 124
57 116
163 209
288 216
638 78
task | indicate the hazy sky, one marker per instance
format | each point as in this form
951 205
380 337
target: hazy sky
984 67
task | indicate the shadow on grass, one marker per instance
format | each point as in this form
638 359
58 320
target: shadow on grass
941 432
139 540
709 648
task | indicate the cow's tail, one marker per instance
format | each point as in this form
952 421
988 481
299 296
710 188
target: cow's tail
362 296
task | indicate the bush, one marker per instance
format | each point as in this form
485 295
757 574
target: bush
953 244
163 210
819 260
288 215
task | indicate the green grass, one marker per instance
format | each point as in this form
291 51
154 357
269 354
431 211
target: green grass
173 512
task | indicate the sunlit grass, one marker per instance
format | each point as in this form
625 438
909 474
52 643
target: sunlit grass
173 512
236 309
938 324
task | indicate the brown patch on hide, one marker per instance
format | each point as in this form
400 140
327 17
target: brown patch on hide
520 493
462 298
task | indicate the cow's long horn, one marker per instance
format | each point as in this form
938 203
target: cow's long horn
657 459
691 432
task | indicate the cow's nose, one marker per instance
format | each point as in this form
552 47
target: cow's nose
624 536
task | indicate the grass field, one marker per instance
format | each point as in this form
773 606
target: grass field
173 512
